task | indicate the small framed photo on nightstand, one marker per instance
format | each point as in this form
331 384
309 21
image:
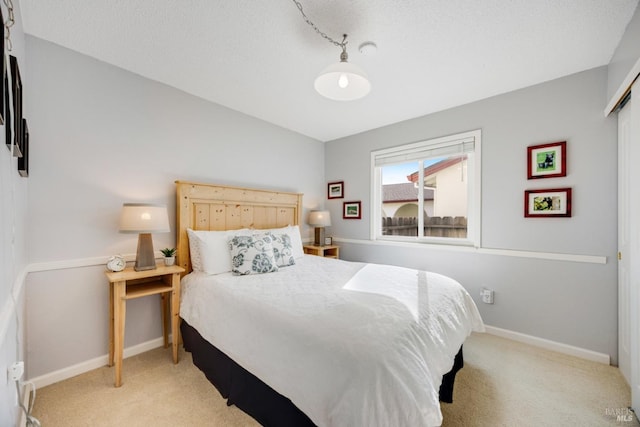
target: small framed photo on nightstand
328 241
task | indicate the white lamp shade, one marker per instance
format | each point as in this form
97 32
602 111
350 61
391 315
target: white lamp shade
342 82
144 218
320 218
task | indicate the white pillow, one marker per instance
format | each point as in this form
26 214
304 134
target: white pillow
209 250
294 234
252 254
194 250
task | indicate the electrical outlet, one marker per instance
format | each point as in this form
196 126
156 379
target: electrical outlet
15 371
487 296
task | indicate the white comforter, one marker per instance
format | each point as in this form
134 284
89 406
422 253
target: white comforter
350 344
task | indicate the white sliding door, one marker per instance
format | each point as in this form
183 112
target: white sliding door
629 244
624 303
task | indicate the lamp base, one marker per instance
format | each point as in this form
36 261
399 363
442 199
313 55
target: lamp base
319 236
145 259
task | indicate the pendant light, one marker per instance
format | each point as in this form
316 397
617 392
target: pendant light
341 81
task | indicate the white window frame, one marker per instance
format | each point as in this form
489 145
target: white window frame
408 152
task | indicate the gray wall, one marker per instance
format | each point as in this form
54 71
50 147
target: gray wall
626 55
569 302
13 249
103 136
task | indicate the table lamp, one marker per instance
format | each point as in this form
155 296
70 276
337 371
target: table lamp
319 220
144 219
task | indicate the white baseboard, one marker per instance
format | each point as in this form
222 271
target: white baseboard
89 365
550 345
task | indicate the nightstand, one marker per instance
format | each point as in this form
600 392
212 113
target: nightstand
128 284
328 251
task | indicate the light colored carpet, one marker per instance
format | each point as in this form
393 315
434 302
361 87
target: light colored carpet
506 383
503 383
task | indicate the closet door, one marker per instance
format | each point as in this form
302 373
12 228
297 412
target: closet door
624 235
629 244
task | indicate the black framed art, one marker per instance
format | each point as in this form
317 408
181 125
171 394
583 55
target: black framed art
23 162
8 139
3 73
16 94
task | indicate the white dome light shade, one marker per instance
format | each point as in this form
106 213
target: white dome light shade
342 82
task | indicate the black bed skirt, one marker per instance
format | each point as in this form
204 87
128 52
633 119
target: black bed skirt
243 389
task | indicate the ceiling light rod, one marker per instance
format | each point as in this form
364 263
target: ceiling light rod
9 23
343 45
342 81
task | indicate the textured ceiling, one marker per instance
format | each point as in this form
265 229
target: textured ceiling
260 57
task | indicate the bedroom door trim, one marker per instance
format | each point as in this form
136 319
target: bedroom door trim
624 87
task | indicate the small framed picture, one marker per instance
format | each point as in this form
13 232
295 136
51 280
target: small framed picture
3 71
335 190
547 203
23 162
8 138
16 96
328 241
351 210
547 160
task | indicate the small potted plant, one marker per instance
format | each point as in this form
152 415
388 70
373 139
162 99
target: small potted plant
169 255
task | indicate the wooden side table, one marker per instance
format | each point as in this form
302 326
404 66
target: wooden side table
129 284
328 251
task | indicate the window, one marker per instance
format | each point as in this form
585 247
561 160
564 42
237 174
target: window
428 191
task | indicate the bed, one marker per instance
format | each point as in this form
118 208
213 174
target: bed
319 341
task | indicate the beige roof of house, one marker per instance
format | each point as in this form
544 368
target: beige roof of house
405 192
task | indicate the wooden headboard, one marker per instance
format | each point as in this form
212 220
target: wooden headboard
217 207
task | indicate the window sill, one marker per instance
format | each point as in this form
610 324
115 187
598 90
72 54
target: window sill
435 241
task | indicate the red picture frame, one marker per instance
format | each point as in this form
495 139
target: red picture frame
351 210
547 160
335 190
545 203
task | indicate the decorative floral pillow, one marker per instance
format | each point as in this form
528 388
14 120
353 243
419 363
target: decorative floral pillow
293 231
252 254
283 250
